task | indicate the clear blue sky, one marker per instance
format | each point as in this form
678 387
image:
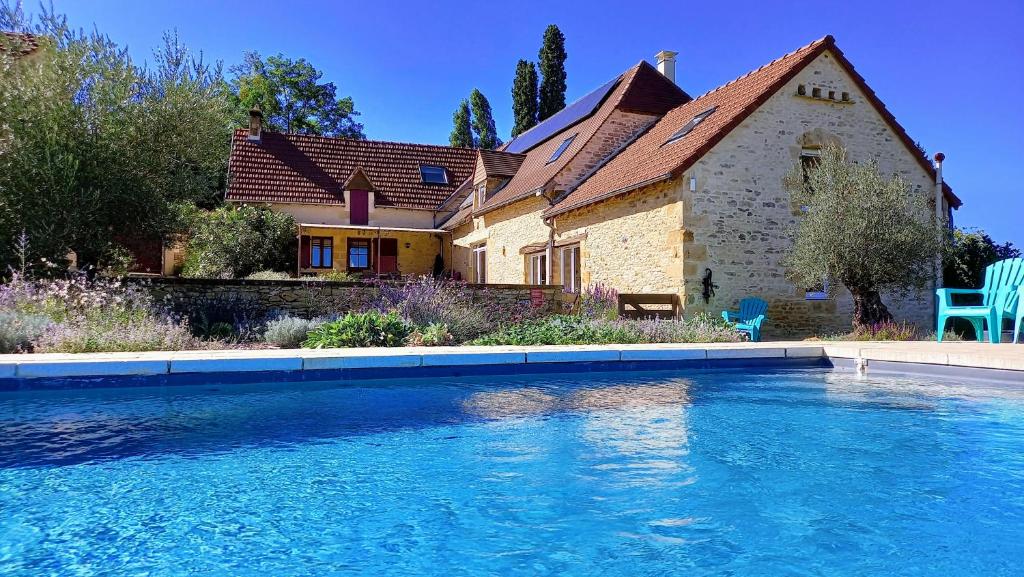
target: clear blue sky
951 71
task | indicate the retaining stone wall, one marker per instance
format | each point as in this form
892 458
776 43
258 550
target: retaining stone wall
313 297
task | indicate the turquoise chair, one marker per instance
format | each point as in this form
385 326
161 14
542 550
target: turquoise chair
998 300
749 318
1018 323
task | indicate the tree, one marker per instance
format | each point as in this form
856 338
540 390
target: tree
552 67
96 151
968 255
483 121
871 233
292 97
524 97
236 241
462 131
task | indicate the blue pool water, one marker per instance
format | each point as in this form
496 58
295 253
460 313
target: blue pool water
714 473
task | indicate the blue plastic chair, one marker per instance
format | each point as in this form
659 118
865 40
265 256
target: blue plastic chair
749 318
999 300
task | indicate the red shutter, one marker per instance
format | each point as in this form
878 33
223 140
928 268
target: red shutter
304 251
359 207
385 255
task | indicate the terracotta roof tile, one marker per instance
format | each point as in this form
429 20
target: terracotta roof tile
498 163
314 169
649 158
642 87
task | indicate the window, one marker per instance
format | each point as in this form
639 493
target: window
818 292
433 174
571 268
320 252
481 195
538 268
561 148
816 92
358 254
480 263
809 158
691 125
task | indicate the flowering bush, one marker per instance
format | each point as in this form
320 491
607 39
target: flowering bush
599 302
89 335
578 330
89 315
427 301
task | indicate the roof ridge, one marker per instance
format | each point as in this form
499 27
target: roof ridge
828 38
360 140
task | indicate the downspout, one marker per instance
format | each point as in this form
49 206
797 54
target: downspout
550 250
298 261
939 220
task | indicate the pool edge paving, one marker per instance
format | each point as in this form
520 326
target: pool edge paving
965 360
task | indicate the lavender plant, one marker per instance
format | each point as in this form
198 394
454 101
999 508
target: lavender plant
599 301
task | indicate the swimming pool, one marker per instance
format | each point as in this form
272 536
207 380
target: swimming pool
785 472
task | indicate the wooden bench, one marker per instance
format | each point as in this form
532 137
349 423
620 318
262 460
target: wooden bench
650 306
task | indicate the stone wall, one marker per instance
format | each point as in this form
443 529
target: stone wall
739 221
311 298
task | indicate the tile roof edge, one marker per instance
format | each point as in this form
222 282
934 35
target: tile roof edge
814 49
291 135
632 69
605 196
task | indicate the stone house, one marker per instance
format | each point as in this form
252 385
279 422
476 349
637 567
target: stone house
361 206
636 185
655 200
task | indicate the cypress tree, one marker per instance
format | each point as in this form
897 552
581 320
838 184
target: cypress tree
524 97
483 121
552 68
462 133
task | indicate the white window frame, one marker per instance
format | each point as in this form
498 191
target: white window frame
481 195
538 267
570 264
480 263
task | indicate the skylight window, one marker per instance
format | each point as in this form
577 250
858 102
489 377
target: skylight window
691 124
433 174
561 148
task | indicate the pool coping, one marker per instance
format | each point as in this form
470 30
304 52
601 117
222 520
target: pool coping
974 360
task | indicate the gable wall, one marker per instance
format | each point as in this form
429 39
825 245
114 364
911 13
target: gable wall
613 133
741 216
509 228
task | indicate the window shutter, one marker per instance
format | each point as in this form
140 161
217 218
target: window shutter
304 251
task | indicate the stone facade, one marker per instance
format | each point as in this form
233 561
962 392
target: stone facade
738 222
508 229
617 130
311 298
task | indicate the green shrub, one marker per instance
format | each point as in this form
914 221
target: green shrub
289 332
237 241
368 329
18 330
432 335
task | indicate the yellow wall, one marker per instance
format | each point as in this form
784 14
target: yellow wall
416 259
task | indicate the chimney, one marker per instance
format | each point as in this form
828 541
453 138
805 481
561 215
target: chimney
255 124
667 64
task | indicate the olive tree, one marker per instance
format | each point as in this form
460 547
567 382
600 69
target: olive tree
870 232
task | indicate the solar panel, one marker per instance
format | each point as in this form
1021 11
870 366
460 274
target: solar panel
562 119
